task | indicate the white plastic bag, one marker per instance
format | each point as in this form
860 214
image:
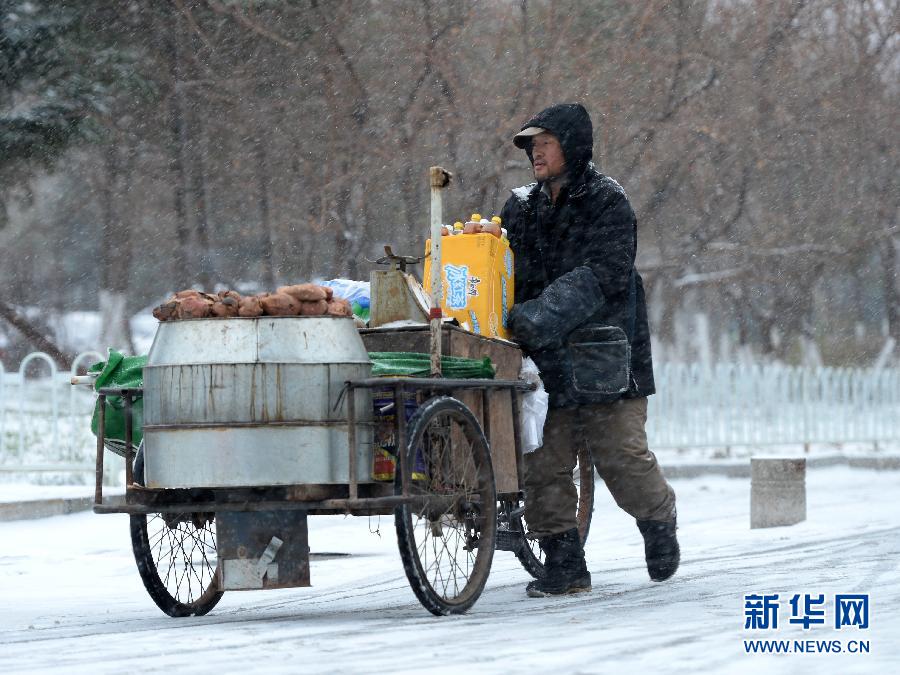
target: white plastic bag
534 408
350 290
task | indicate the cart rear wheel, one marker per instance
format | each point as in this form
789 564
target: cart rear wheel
176 557
530 554
447 539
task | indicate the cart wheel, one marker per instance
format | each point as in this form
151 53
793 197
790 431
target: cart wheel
530 555
176 556
447 540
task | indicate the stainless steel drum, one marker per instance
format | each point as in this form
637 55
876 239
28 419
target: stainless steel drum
242 402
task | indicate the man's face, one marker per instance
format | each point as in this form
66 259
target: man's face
547 153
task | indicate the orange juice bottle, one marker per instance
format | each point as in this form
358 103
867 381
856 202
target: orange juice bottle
492 226
473 226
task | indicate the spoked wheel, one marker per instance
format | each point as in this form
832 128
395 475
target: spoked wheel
176 557
530 554
447 538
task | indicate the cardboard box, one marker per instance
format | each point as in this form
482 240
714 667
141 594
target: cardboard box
477 282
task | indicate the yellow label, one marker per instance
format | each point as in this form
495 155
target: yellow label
477 281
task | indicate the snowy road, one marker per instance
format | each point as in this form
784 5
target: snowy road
71 599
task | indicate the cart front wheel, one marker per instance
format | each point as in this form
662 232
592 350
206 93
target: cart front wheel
176 557
447 535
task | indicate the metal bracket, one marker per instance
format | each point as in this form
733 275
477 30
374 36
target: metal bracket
397 262
268 556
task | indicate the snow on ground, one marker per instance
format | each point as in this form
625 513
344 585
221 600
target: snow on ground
71 599
19 492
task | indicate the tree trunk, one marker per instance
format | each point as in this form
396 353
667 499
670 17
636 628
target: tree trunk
262 197
342 229
197 139
115 331
201 214
890 269
357 221
181 274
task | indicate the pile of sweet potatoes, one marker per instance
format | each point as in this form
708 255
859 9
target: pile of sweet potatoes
296 300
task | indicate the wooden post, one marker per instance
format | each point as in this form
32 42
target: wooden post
440 179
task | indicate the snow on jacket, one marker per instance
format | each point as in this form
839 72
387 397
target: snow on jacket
580 311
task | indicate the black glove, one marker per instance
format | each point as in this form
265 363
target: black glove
564 305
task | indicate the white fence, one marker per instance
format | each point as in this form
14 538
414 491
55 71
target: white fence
729 405
45 422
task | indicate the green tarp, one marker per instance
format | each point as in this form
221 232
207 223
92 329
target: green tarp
119 372
417 364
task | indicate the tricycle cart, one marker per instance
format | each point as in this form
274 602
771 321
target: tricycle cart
252 425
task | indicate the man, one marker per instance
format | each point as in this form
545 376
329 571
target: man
580 314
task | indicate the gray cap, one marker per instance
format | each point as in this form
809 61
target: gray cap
523 138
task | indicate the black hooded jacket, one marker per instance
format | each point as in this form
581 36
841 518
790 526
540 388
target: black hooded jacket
580 311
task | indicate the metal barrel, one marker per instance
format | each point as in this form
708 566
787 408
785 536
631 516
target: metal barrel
254 401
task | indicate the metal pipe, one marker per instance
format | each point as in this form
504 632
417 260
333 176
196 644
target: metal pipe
101 429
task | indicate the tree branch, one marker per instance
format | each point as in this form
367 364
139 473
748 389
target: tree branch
31 333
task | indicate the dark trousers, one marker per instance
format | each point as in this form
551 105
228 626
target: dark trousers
615 435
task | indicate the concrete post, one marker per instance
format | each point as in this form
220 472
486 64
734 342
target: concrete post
777 492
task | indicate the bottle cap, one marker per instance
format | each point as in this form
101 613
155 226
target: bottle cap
496 219
457 225
476 218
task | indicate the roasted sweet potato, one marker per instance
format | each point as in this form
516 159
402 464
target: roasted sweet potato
191 293
280 304
305 292
317 308
227 307
339 307
193 307
166 311
227 304
250 306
